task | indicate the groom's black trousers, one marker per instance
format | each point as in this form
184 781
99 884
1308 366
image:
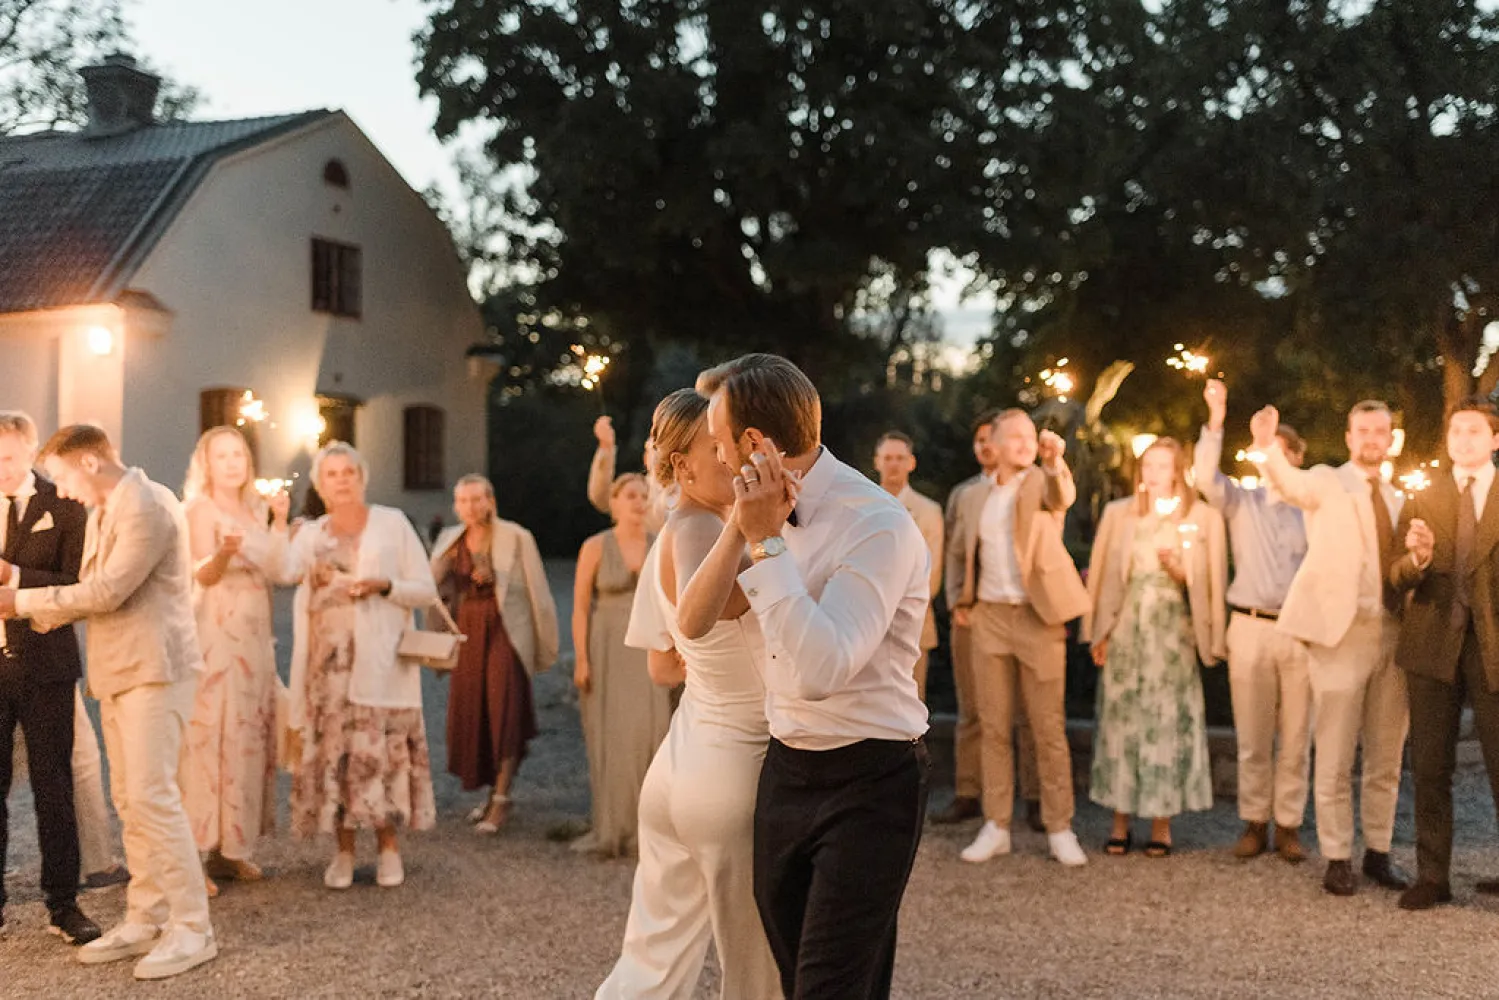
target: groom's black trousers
835 835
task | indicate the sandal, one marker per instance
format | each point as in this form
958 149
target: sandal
1158 849
486 826
1118 847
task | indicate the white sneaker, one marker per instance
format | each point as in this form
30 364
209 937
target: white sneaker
390 873
992 840
340 871
124 941
1066 849
179 950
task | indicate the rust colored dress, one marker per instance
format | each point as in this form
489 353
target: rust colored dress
491 715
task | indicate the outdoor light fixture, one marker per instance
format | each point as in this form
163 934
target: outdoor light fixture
101 340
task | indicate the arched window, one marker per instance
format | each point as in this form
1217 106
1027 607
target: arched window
336 174
424 447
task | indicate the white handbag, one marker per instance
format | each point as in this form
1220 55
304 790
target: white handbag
432 649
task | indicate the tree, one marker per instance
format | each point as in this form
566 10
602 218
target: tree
42 45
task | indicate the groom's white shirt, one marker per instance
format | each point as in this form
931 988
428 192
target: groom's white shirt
842 611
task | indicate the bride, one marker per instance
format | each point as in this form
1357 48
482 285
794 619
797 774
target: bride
694 879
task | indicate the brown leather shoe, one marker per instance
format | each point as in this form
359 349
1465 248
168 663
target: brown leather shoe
1288 844
1340 880
1384 872
1253 841
959 809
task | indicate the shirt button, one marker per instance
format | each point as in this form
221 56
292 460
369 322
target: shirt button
754 592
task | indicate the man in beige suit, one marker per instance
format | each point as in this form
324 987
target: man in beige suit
143 662
1341 604
894 461
1020 588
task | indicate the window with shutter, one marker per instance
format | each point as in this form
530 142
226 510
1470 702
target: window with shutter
336 278
423 465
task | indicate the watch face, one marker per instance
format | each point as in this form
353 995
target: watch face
774 545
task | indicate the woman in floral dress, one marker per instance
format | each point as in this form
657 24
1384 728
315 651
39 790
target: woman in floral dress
1157 578
361 758
229 767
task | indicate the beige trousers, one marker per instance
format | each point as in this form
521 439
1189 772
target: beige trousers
1011 646
143 733
1272 697
1358 695
95 841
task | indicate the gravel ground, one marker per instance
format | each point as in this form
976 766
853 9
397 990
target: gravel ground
520 916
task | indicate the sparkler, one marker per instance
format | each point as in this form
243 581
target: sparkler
251 410
270 487
1189 362
1057 380
593 367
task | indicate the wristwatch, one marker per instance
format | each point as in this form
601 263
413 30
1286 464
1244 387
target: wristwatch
767 548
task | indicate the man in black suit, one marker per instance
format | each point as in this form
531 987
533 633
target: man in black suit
1449 638
41 545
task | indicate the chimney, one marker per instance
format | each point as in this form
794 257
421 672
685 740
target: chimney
121 97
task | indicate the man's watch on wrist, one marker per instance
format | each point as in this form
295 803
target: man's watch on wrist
767 548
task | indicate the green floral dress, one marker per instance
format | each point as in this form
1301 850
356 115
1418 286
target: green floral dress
1150 752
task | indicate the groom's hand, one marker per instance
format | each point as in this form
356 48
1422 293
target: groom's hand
763 495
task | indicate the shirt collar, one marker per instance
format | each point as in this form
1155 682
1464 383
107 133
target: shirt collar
27 488
815 483
1483 476
1015 480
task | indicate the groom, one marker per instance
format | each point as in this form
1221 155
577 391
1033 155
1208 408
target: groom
840 588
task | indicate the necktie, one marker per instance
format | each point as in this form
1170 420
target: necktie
1464 542
12 527
1384 530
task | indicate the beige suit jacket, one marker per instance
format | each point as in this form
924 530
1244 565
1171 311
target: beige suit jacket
1047 572
134 588
1206 563
1323 600
927 514
520 589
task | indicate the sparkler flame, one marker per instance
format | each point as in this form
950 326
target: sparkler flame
251 410
1188 361
1166 506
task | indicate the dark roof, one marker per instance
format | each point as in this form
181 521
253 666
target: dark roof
79 213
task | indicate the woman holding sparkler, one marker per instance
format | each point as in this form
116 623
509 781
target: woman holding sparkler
229 765
1157 579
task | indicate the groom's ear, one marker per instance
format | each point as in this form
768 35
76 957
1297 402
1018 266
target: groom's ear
754 439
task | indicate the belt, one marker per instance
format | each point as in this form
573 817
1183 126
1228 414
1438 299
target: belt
1255 613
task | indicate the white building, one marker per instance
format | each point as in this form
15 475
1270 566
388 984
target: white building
160 279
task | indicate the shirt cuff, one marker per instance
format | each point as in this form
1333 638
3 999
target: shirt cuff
770 581
26 602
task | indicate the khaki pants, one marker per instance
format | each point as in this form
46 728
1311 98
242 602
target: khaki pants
1272 697
1358 695
143 732
1011 644
95 846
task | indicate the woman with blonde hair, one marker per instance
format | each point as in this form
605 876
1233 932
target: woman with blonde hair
238 541
490 575
694 883
360 748
625 715
1157 579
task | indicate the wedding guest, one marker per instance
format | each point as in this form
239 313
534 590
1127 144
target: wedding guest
1156 579
229 767
490 576
1267 671
41 545
601 476
1344 608
135 591
1020 589
625 715
697 806
842 793
1449 640
356 706
894 461
967 783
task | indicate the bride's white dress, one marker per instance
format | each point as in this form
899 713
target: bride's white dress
694 879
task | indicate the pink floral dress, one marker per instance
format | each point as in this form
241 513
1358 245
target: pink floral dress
229 768
361 767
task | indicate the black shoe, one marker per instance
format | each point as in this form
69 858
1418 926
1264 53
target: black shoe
1033 816
959 809
1384 872
1339 880
1425 895
72 926
113 875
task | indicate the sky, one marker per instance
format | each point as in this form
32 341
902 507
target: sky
271 57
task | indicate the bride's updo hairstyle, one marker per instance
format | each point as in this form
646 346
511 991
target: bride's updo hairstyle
677 420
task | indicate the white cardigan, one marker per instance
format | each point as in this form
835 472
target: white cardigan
388 550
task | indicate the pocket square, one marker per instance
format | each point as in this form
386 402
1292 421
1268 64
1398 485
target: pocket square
44 523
